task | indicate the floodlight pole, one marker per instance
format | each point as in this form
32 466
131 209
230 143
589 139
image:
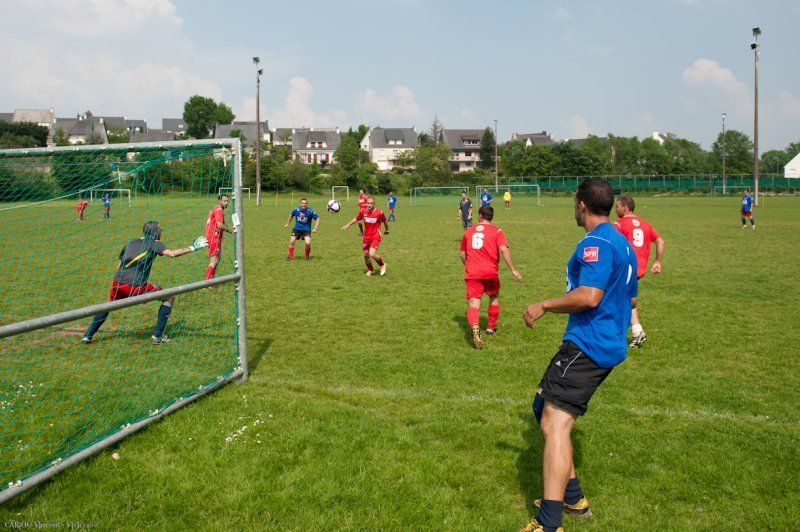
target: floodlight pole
724 180
256 61
495 157
755 47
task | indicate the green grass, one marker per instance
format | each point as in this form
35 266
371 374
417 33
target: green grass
367 407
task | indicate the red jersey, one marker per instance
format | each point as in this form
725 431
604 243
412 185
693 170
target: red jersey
362 201
213 232
482 245
640 234
372 222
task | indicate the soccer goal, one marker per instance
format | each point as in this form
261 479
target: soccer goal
443 194
63 399
528 191
340 189
718 190
95 194
230 190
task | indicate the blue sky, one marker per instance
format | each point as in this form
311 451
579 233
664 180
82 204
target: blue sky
570 68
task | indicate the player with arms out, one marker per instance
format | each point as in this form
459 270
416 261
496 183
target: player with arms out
486 197
215 228
373 218
392 204
747 209
106 206
481 249
133 274
465 211
302 215
640 235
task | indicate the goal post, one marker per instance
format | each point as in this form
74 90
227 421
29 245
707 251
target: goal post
450 192
340 188
95 194
71 398
719 190
531 190
224 190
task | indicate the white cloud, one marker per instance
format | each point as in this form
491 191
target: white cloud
468 115
599 51
644 126
786 106
718 85
561 14
246 111
297 111
398 104
576 127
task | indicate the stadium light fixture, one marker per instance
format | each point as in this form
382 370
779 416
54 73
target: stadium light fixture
755 47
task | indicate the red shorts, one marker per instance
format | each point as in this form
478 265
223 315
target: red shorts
747 214
371 242
214 248
122 291
477 287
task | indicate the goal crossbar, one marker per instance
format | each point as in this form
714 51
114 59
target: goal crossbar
340 187
95 193
223 190
511 188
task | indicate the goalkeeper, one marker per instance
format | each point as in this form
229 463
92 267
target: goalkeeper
133 273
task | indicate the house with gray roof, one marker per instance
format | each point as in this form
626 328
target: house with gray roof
578 142
385 145
282 136
174 125
42 117
113 121
315 146
245 130
466 146
6 117
79 130
541 138
152 135
136 125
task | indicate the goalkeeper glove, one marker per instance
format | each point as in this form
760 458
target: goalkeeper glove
199 242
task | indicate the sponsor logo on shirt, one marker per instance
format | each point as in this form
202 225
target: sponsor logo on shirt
635 222
479 228
370 220
591 254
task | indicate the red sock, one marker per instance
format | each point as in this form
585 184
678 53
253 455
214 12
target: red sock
379 261
291 252
308 251
494 313
210 271
369 266
473 316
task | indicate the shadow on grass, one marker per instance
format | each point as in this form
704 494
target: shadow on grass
529 460
258 353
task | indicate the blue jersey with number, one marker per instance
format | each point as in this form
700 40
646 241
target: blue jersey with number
106 201
747 203
485 199
302 218
603 259
392 201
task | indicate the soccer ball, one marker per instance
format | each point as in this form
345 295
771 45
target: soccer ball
334 206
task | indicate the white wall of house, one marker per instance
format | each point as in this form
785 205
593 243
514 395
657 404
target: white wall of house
792 168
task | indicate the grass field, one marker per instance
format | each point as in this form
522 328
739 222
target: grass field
368 408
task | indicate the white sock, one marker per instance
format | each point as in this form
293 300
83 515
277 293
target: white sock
636 329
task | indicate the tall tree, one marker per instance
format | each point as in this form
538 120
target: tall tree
773 161
739 152
348 155
487 149
793 149
437 130
201 114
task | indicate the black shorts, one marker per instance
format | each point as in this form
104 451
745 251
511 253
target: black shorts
297 233
571 379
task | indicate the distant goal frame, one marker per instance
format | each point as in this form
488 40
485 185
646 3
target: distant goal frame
346 189
223 190
95 193
479 188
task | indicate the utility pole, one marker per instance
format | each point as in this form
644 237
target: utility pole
259 71
754 47
495 157
724 180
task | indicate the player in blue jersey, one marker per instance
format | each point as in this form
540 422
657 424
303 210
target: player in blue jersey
601 290
106 206
392 205
302 215
747 209
486 198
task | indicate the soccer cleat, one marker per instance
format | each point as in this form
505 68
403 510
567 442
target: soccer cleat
579 509
369 272
638 340
476 337
536 526
158 341
383 269
86 340
288 258
754 228
491 332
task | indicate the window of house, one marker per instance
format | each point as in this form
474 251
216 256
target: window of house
308 158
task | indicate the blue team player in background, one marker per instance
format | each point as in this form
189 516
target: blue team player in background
302 215
486 198
747 209
106 206
392 205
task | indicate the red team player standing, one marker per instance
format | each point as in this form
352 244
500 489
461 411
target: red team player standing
640 235
372 218
215 228
481 249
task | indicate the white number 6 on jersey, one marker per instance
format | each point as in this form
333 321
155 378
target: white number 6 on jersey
477 240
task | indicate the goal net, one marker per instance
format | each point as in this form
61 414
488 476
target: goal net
728 189
340 189
528 193
112 193
229 190
436 195
61 399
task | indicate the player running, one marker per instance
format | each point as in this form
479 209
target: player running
481 249
465 211
486 198
640 235
133 274
106 206
392 205
215 228
81 207
747 209
302 227
372 234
